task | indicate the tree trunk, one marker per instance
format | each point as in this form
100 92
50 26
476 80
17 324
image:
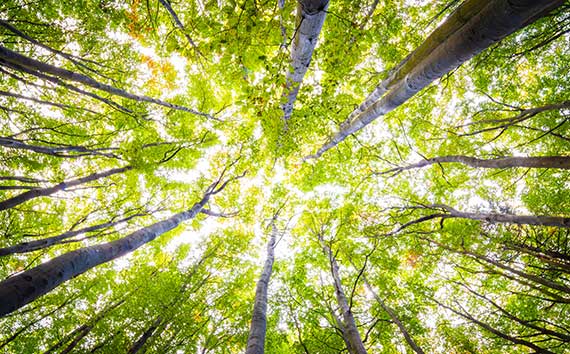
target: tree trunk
35 245
532 277
497 332
559 162
43 192
310 18
455 43
394 318
27 286
79 333
14 58
350 331
145 336
494 218
256 339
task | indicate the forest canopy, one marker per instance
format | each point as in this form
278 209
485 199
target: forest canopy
306 176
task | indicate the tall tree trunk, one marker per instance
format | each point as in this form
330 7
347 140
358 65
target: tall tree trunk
310 18
12 58
80 332
256 339
27 286
35 245
350 331
493 218
43 192
455 43
69 151
540 220
394 318
559 162
496 332
145 336
532 277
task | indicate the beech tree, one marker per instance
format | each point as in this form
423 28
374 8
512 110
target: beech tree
144 144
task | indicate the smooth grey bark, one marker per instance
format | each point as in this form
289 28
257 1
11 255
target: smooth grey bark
258 327
445 50
35 245
496 332
349 329
560 162
539 220
70 151
27 286
394 318
17 59
145 336
448 212
311 16
44 192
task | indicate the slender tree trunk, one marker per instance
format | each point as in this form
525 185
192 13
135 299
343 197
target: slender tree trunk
539 220
14 58
349 325
256 339
27 286
449 47
178 23
497 332
43 192
532 277
310 18
559 162
530 324
35 245
145 336
79 333
394 318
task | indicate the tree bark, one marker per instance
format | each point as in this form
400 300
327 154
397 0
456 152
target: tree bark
43 192
258 327
35 245
455 43
27 286
394 318
350 331
559 162
310 18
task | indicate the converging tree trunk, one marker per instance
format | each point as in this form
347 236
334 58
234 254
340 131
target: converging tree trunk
560 162
470 29
349 329
310 18
394 318
31 246
256 339
447 212
27 286
12 59
495 331
145 336
44 192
